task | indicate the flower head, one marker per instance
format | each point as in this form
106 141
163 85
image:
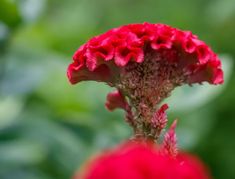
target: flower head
142 161
145 62
103 57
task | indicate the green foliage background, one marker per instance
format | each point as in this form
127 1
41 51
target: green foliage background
49 127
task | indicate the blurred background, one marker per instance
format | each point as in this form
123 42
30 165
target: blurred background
49 127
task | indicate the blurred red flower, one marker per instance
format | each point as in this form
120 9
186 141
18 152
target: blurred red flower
143 161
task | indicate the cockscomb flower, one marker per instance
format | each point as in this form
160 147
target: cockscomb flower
142 161
145 62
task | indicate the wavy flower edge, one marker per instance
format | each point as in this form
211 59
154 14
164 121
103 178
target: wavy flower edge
103 56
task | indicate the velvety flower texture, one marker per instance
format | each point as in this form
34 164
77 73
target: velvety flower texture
142 161
103 56
145 62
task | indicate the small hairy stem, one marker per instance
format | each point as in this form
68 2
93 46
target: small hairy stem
146 85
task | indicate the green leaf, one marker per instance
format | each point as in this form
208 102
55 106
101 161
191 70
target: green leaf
9 13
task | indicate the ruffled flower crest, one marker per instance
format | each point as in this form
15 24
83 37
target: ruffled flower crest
145 62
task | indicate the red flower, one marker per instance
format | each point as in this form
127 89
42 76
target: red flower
142 161
145 62
134 43
115 100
